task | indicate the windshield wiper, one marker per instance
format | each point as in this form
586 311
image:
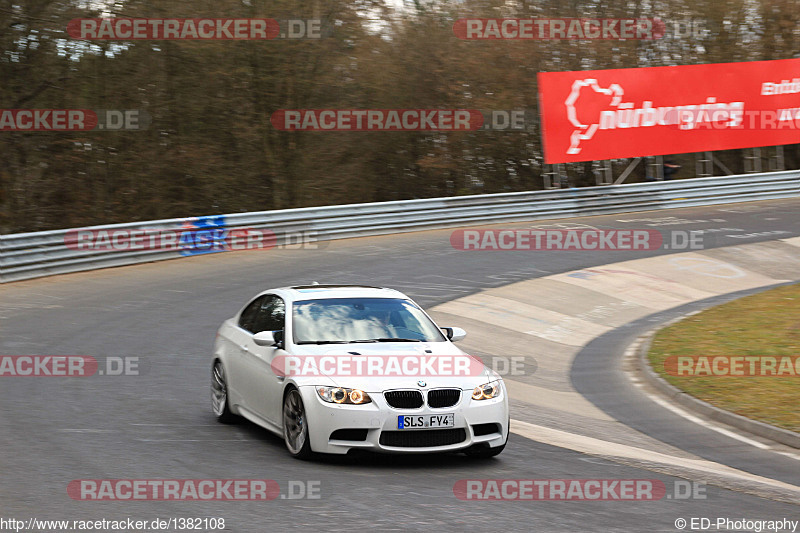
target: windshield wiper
322 342
384 339
389 339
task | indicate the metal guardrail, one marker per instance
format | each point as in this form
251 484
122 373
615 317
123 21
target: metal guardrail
31 255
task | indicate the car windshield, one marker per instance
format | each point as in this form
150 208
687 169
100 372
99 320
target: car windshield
343 320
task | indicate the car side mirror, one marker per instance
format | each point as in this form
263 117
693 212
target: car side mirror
269 338
454 334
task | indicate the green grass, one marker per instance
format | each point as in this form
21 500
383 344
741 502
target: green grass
763 324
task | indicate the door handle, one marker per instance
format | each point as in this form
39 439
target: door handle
245 349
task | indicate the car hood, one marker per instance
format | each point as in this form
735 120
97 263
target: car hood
427 365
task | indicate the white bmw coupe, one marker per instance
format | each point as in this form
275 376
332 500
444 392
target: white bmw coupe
336 368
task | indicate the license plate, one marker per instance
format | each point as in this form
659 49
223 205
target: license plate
425 421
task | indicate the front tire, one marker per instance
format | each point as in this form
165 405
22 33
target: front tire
295 426
219 395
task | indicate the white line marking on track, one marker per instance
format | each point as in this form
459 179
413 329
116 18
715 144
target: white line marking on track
195 440
178 425
80 430
680 412
594 446
790 454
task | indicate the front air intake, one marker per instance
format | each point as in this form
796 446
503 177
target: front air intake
423 438
403 399
443 397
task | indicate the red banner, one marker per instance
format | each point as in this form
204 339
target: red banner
609 114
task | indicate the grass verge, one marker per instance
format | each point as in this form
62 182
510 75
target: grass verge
765 324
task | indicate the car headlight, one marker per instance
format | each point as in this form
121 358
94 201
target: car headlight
342 395
486 391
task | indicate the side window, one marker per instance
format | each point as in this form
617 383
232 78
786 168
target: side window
271 315
248 317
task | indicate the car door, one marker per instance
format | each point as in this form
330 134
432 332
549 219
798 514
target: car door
264 386
239 339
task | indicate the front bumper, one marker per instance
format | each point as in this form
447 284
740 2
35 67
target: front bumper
373 426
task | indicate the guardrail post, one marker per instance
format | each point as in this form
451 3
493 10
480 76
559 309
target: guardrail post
752 160
602 172
655 168
776 162
554 178
704 165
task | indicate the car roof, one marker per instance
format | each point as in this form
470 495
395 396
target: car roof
318 292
